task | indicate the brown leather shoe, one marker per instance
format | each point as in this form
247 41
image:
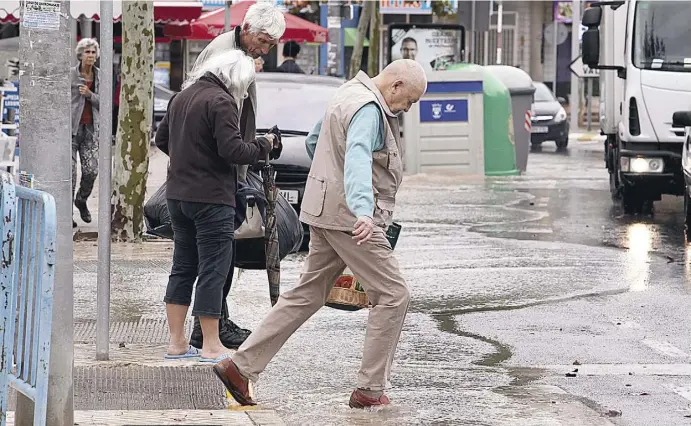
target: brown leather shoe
360 400
236 383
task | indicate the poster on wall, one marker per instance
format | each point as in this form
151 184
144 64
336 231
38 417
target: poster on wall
435 47
563 11
162 73
404 7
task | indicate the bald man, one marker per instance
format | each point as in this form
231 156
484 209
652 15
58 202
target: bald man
348 204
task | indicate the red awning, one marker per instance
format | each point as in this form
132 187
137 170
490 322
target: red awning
211 24
180 11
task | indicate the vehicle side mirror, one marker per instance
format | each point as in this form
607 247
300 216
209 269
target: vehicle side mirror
591 47
561 100
592 17
591 38
681 119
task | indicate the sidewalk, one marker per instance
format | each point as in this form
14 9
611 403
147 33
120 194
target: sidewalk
158 164
137 386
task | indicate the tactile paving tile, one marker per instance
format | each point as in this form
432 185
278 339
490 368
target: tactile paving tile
145 331
135 387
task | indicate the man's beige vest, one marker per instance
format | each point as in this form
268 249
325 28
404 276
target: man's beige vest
324 202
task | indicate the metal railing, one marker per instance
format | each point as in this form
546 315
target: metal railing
28 239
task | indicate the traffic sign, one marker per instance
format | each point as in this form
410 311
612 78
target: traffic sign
582 70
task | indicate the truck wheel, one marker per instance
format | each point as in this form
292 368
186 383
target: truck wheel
563 143
615 188
634 203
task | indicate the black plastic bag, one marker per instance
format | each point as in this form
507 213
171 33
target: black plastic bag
249 252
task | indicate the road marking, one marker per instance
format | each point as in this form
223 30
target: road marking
682 391
674 370
665 348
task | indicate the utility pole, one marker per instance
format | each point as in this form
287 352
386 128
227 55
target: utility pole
333 61
45 128
226 15
500 24
105 183
555 53
575 98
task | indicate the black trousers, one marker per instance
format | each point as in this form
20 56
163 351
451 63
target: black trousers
226 288
203 252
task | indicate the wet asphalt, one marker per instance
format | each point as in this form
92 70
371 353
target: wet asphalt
535 302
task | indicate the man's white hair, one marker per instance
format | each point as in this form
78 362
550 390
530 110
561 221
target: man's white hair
234 68
264 17
408 71
86 43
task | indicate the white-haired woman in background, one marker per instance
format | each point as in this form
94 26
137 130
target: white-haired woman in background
200 134
85 86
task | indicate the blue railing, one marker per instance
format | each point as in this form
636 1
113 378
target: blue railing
28 238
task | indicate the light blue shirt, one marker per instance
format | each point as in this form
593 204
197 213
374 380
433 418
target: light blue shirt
365 136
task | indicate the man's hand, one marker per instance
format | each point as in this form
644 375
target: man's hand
363 229
85 91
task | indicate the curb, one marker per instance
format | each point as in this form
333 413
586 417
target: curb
173 417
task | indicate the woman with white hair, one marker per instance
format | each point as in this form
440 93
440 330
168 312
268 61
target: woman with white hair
85 86
261 29
201 135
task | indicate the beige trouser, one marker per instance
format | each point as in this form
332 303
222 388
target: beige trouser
374 265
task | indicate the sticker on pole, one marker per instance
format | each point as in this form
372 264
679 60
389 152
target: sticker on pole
41 15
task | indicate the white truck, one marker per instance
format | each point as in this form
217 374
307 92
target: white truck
643 49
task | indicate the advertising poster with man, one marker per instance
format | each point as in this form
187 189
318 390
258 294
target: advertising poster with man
434 48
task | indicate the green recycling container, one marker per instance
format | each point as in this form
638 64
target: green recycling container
499 143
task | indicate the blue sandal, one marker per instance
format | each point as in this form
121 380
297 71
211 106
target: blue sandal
215 360
192 352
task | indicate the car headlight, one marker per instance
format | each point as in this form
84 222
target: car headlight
642 165
561 115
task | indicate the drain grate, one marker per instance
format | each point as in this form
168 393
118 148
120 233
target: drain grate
144 331
136 387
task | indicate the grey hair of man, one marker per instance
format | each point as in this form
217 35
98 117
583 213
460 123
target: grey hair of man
234 68
264 17
84 44
409 71
402 83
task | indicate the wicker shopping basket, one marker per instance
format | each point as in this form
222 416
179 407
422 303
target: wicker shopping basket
348 293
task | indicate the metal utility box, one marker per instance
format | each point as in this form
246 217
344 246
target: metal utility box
444 131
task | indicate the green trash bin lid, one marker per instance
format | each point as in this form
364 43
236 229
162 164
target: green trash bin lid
515 79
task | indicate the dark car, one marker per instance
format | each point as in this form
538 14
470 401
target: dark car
549 121
294 102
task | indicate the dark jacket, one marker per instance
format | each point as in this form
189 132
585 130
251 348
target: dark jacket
200 134
290 66
79 100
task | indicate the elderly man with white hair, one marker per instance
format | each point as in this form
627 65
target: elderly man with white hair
348 203
201 136
260 31
85 87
